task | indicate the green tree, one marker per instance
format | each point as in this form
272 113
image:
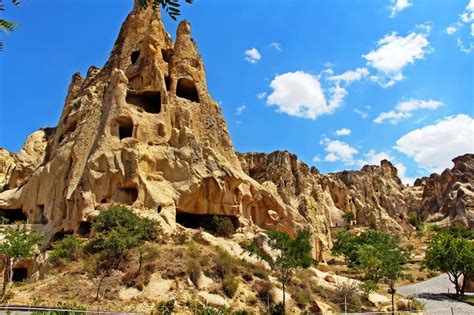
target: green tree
117 231
292 254
393 267
7 26
67 248
17 243
172 7
349 217
451 251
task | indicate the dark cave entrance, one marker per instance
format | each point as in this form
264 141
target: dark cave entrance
187 89
20 274
167 54
126 195
84 228
59 236
150 101
205 221
13 215
125 127
134 56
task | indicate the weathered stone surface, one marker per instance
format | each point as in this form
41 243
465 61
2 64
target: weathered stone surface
449 198
142 131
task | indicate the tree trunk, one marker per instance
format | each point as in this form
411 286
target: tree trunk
6 275
464 283
98 287
10 267
284 309
392 292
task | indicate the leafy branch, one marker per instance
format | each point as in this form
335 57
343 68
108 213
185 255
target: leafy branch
7 26
172 7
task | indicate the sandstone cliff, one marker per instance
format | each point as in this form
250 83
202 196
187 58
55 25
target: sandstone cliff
142 131
449 198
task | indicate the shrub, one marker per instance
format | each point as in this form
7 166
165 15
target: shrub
301 296
277 309
66 248
263 289
122 217
230 284
416 305
194 270
225 263
347 292
208 310
165 307
180 238
222 226
193 250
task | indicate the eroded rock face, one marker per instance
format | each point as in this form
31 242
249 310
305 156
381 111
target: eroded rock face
142 131
375 194
297 185
449 198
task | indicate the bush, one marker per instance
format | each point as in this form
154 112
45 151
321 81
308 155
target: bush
230 284
222 226
194 250
194 270
263 289
416 305
347 292
67 248
225 264
301 296
277 309
208 310
121 217
165 307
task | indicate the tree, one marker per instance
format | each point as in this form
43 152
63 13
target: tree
172 7
451 251
18 243
118 230
291 254
349 217
7 26
393 267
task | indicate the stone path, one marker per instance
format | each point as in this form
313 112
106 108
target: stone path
431 292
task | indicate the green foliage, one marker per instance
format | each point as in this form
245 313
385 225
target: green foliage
208 310
7 26
165 307
18 242
67 248
194 270
302 297
278 309
349 217
414 218
368 286
451 251
172 7
416 305
230 284
222 226
292 254
225 263
122 217
69 309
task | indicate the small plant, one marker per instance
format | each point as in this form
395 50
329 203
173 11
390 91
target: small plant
348 296
277 309
225 263
230 284
222 226
194 270
193 250
165 307
208 310
67 248
416 305
302 297
180 238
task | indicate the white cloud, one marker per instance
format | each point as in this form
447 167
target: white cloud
252 55
398 6
261 96
451 30
238 122
351 76
300 94
240 110
434 146
404 110
276 46
464 27
339 151
394 53
361 113
343 132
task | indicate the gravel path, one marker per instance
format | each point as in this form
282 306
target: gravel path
431 292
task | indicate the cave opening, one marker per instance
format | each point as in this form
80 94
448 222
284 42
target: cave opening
20 274
149 101
187 89
126 195
167 54
134 56
208 222
60 235
85 228
125 127
13 215
159 209
168 82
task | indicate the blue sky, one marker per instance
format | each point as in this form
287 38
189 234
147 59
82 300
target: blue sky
340 83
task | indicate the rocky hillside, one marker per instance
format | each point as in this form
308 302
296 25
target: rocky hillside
144 132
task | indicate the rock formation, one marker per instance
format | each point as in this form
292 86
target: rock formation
449 198
142 131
